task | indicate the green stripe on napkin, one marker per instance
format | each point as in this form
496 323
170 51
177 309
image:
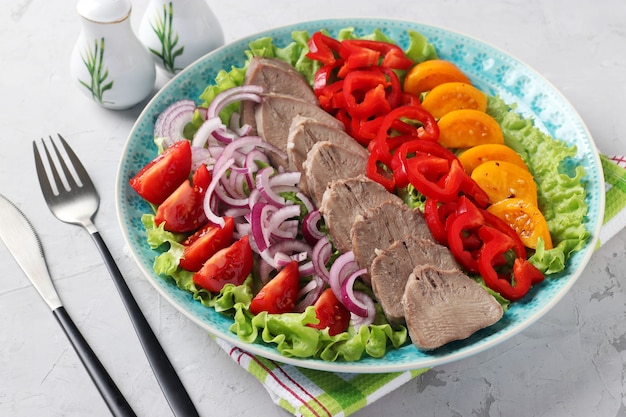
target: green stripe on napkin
309 393
615 178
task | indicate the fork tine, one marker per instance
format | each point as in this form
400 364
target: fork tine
44 180
65 171
81 172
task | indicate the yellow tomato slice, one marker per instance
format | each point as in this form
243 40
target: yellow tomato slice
501 180
476 155
450 96
467 128
428 74
526 219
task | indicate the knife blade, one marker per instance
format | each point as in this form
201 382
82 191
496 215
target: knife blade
20 237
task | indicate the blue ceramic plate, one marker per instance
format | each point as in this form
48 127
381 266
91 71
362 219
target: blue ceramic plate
490 69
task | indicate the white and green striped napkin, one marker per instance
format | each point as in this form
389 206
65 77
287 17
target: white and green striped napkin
310 393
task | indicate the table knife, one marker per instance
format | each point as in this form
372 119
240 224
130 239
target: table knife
21 239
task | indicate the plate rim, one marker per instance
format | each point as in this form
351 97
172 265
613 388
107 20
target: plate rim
361 366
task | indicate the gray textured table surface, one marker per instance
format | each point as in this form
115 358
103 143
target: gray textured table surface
570 363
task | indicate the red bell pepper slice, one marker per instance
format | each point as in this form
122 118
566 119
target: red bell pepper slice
435 215
523 268
495 245
445 190
394 89
430 130
432 168
419 147
325 76
466 221
327 97
343 116
356 57
376 172
502 226
470 188
323 48
364 94
365 50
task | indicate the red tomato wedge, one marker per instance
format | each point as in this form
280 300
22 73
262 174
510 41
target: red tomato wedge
160 177
183 210
279 295
203 244
331 313
230 265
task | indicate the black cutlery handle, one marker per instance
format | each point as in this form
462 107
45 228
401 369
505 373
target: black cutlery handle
110 392
170 383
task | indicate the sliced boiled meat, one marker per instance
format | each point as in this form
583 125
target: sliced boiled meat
276 77
305 132
391 268
443 306
275 114
380 227
327 162
346 199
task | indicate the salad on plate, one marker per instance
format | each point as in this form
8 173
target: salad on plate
341 196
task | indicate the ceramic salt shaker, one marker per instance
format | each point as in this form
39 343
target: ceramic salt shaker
178 32
109 63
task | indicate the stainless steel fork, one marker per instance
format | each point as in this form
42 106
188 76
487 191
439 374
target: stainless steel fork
72 198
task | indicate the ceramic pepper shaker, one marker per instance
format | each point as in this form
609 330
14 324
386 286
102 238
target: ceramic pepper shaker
178 32
109 63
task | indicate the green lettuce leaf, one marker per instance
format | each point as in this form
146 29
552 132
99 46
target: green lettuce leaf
560 184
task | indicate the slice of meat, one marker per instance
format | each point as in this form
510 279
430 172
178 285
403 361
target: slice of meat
380 227
275 114
443 306
276 77
328 162
391 268
305 132
346 199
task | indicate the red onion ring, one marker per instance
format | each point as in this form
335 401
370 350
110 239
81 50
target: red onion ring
320 255
358 321
226 97
311 293
258 220
343 266
210 193
348 298
205 131
265 188
311 227
171 121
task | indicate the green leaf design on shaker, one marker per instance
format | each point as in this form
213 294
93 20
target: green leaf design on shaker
95 66
164 31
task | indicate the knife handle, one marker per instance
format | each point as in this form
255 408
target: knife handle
171 385
111 394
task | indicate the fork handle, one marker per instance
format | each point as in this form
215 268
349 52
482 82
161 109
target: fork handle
170 383
111 394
